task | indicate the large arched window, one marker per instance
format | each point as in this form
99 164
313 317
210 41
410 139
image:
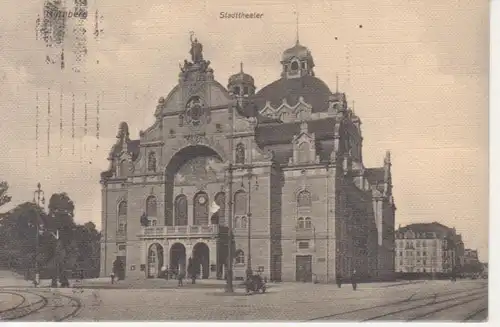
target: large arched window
304 199
300 223
240 153
304 152
240 209
200 209
219 216
152 162
181 210
122 218
152 210
239 257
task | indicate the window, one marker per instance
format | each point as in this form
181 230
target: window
425 254
240 209
418 254
304 199
401 253
245 90
122 247
123 168
236 90
425 262
152 161
308 223
151 210
181 210
303 152
240 203
122 217
240 257
240 154
303 245
294 66
200 209
303 65
301 223
218 128
424 244
219 216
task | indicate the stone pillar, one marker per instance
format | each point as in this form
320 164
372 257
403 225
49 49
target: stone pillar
166 253
212 246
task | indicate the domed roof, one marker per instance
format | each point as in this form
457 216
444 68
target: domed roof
314 91
241 78
298 51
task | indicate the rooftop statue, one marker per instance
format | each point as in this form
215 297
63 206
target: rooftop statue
196 50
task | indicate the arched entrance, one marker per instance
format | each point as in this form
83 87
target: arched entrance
155 260
201 260
178 257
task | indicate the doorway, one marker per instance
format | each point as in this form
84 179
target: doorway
303 268
201 260
155 260
178 257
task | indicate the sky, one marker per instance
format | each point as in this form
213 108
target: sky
417 71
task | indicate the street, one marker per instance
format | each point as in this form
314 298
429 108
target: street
465 300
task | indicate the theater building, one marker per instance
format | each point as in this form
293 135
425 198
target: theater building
284 163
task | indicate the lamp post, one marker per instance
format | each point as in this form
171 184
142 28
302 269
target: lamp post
250 176
39 200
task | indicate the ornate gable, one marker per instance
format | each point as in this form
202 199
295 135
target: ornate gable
304 147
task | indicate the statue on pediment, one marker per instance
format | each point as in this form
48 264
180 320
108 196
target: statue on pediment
196 50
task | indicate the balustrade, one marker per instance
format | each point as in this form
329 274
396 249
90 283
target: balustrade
180 231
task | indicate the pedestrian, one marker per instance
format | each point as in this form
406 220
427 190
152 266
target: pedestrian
354 280
112 277
339 280
180 277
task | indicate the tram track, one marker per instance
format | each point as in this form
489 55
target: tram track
409 300
27 309
429 305
22 310
476 313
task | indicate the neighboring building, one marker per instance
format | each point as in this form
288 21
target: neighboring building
471 257
303 202
428 248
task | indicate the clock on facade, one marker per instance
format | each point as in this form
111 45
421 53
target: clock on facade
202 200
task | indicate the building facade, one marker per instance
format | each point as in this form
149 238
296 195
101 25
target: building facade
284 163
428 248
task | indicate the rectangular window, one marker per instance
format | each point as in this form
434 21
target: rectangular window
303 245
425 253
122 247
425 262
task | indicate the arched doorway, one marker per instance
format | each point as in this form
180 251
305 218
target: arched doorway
201 260
155 260
178 257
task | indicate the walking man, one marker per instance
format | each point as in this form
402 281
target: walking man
339 280
354 281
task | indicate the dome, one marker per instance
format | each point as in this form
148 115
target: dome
313 90
298 51
241 78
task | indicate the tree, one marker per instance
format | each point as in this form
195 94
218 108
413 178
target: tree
4 198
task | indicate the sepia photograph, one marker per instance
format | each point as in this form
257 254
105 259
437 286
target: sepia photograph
247 161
